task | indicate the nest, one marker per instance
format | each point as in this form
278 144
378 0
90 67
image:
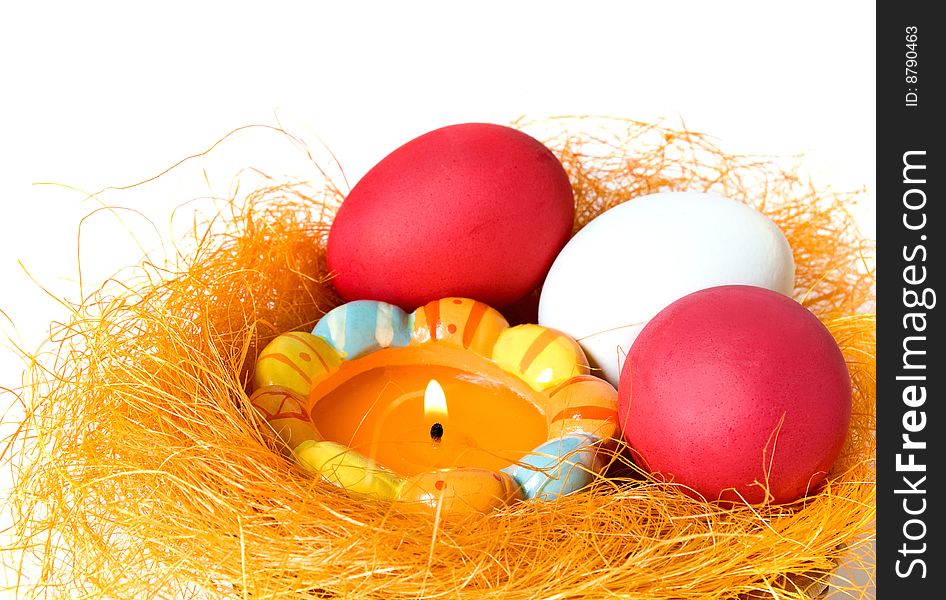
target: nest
142 470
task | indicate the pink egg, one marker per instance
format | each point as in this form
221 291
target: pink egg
473 210
735 389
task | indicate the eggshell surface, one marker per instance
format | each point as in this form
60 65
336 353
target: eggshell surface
733 389
634 259
473 210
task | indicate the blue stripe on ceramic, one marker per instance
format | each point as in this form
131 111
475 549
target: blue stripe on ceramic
558 467
363 326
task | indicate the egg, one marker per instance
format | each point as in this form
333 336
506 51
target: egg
634 259
474 210
736 392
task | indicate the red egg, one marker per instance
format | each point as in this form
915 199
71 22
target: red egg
473 210
733 389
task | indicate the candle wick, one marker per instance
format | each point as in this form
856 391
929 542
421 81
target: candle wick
436 432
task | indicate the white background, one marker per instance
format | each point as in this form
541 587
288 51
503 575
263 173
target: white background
106 94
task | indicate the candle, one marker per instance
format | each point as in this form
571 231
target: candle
376 405
447 408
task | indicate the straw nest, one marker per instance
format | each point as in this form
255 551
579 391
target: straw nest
143 472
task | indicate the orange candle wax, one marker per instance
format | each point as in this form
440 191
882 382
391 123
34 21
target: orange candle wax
376 405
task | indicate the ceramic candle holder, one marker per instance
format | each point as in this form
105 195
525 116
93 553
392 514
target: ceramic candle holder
446 408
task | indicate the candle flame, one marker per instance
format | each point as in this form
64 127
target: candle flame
435 401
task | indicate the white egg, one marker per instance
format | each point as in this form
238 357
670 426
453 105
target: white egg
631 261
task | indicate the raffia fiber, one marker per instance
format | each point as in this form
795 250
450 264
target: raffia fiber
142 471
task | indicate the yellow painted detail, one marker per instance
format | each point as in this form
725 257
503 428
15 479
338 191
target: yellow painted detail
296 361
542 357
583 404
459 491
348 469
459 322
285 412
